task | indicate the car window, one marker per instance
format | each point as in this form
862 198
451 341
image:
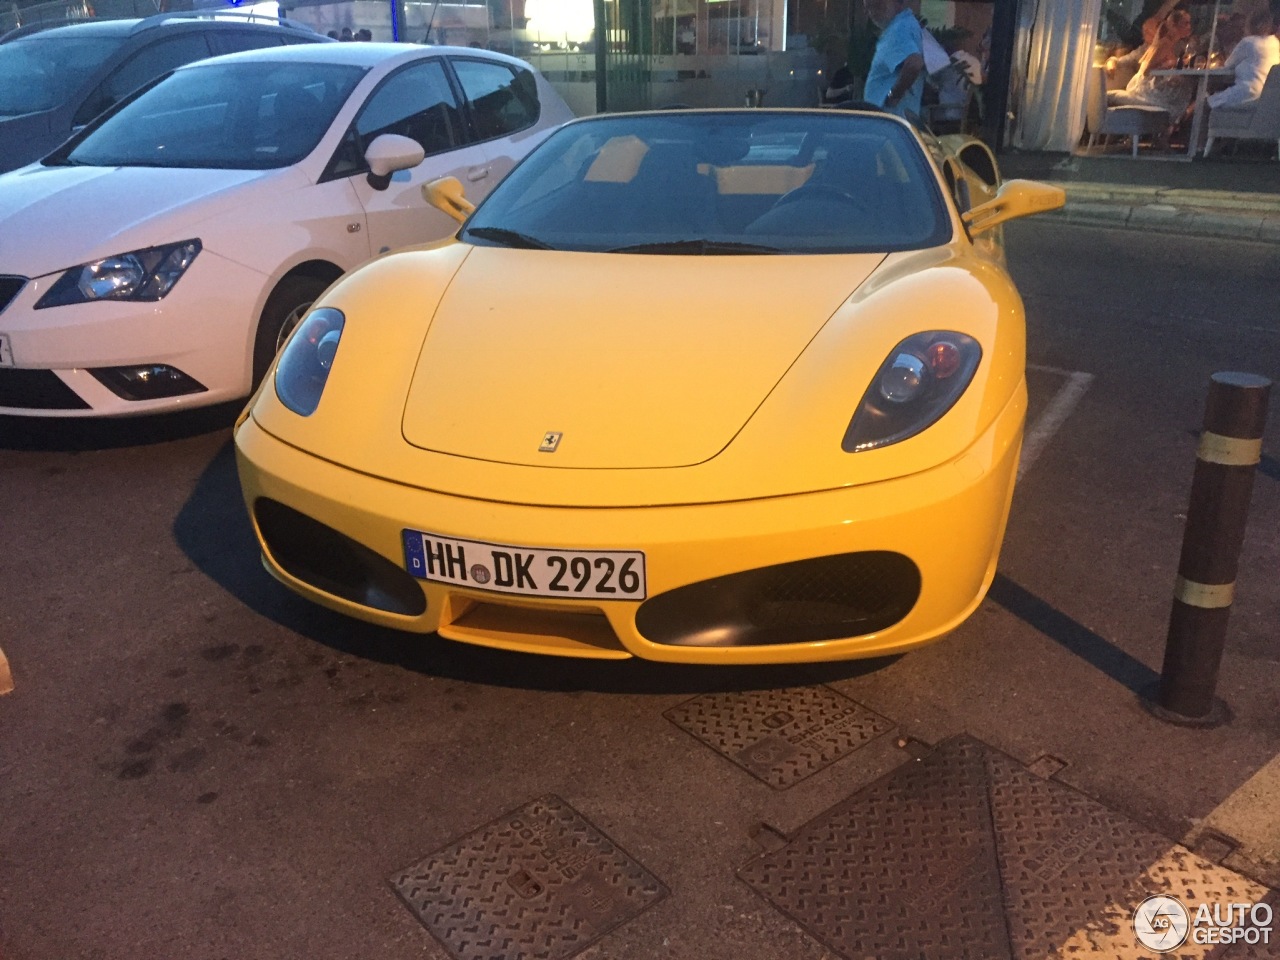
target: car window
42 72
247 115
148 63
233 41
418 103
749 182
503 100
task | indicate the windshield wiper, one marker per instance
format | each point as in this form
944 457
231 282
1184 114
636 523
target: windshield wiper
700 247
509 238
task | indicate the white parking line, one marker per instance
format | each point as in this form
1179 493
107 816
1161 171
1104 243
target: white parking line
1054 416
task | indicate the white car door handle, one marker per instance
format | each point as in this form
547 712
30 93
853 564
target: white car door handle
477 173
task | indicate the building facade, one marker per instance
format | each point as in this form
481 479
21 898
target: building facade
636 54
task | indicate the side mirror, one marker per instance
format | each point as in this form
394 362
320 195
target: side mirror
388 153
1015 198
447 195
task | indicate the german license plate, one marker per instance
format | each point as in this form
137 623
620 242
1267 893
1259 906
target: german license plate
529 571
6 351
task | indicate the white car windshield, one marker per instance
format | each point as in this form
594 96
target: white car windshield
239 116
720 182
41 72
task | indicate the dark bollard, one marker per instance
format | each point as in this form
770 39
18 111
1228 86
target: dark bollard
1230 449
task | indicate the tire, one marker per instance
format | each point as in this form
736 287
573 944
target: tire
285 307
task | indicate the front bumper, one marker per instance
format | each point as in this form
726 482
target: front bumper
203 328
948 521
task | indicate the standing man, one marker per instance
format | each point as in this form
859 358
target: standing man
896 78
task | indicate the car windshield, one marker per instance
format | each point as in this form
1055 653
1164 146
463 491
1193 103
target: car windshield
239 115
41 72
728 182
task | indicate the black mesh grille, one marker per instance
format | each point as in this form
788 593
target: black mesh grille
853 586
334 563
824 598
9 287
37 390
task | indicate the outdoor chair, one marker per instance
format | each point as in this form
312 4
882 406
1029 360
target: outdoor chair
1257 120
1131 122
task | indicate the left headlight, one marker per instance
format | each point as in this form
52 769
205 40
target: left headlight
918 382
137 275
307 358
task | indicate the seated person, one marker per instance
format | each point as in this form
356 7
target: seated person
1171 94
1134 57
1252 59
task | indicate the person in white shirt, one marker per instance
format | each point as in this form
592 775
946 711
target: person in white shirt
955 83
1252 59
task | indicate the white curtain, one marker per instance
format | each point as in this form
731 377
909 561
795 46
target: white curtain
1058 37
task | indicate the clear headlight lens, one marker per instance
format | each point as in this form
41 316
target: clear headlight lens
138 275
307 358
920 380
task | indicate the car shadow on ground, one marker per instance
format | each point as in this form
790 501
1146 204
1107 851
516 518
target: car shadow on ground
213 530
1074 636
73 434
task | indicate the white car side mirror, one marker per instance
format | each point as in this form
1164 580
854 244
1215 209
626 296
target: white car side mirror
388 153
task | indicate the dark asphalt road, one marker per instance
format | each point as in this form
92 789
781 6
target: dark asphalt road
197 764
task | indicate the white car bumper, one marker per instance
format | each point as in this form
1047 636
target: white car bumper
53 359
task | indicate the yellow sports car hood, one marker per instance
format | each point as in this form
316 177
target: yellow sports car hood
613 356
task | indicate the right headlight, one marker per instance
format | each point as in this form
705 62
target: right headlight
307 358
918 382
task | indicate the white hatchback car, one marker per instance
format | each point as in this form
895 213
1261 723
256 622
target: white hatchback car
159 257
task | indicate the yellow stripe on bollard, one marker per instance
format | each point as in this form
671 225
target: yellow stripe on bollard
1207 596
6 678
1229 451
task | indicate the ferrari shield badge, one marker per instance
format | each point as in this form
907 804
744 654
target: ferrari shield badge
550 441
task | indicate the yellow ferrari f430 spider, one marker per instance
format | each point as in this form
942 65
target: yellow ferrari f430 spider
705 386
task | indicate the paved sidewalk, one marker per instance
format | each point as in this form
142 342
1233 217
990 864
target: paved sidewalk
1226 198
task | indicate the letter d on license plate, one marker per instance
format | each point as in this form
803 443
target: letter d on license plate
529 571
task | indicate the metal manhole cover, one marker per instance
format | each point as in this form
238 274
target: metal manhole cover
906 868
1262 948
1065 859
540 882
780 736
1075 871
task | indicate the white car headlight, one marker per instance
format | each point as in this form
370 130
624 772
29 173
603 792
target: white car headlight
307 358
138 275
920 380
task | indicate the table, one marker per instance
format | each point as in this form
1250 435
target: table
1201 74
